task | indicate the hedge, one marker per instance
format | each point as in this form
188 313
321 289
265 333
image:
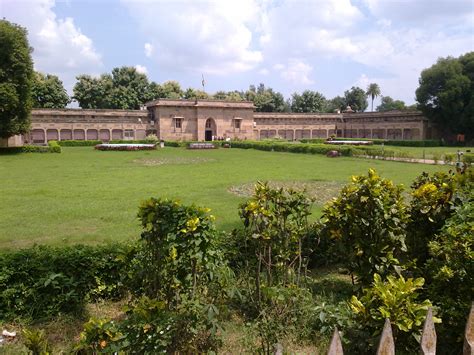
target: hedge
42 281
52 147
393 142
80 143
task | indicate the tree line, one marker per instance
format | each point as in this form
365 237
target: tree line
445 94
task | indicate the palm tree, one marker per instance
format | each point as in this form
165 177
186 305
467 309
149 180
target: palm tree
373 90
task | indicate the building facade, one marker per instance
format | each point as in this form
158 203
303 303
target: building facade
206 120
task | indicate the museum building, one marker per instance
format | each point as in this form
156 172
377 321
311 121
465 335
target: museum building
207 120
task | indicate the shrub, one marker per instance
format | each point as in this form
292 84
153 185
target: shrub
151 328
367 224
123 147
54 147
275 222
79 143
179 249
468 158
396 299
42 282
36 341
100 336
432 202
152 138
451 274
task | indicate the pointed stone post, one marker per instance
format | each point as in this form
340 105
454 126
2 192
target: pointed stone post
386 344
428 337
468 348
336 346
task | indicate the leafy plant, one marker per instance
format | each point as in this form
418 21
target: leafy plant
100 336
36 341
395 299
367 225
276 224
180 251
451 273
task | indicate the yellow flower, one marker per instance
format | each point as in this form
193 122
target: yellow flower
173 253
192 224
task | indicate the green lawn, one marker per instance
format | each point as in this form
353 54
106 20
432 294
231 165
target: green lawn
87 196
429 152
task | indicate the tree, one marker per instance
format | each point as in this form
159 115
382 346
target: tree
389 104
356 99
446 94
308 101
265 99
16 74
48 91
373 90
191 93
335 104
172 90
92 93
124 89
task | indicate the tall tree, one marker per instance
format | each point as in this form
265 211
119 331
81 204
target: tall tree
124 89
389 104
191 93
356 99
93 93
16 75
48 91
308 101
265 99
373 90
337 103
172 90
446 94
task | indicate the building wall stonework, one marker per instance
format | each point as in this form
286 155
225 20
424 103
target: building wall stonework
200 120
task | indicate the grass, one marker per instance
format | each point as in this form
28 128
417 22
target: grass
428 152
88 196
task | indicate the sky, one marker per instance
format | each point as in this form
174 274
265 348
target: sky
289 45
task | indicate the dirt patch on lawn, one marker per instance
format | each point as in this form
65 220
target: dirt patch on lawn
172 161
320 191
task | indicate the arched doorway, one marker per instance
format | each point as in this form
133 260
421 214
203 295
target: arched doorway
211 129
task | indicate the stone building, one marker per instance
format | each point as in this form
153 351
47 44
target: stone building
200 120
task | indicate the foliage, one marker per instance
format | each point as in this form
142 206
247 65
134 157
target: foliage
451 273
367 224
356 99
100 336
36 341
308 101
42 282
396 299
337 103
180 254
389 104
48 91
432 203
124 147
79 143
150 327
54 147
276 224
373 90
191 93
124 88
446 94
171 90
16 75
265 99
152 138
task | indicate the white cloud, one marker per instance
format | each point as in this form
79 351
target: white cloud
264 71
141 69
148 50
210 37
59 45
297 72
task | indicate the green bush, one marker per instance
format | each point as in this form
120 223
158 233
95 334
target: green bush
432 200
396 299
468 158
79 143
367 225
54 147
450 271
42 282
180 249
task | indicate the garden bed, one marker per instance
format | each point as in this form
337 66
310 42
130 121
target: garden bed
128 147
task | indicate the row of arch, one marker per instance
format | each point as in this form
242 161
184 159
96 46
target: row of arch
105 135
296 134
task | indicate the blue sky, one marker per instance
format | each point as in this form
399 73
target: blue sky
290 45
